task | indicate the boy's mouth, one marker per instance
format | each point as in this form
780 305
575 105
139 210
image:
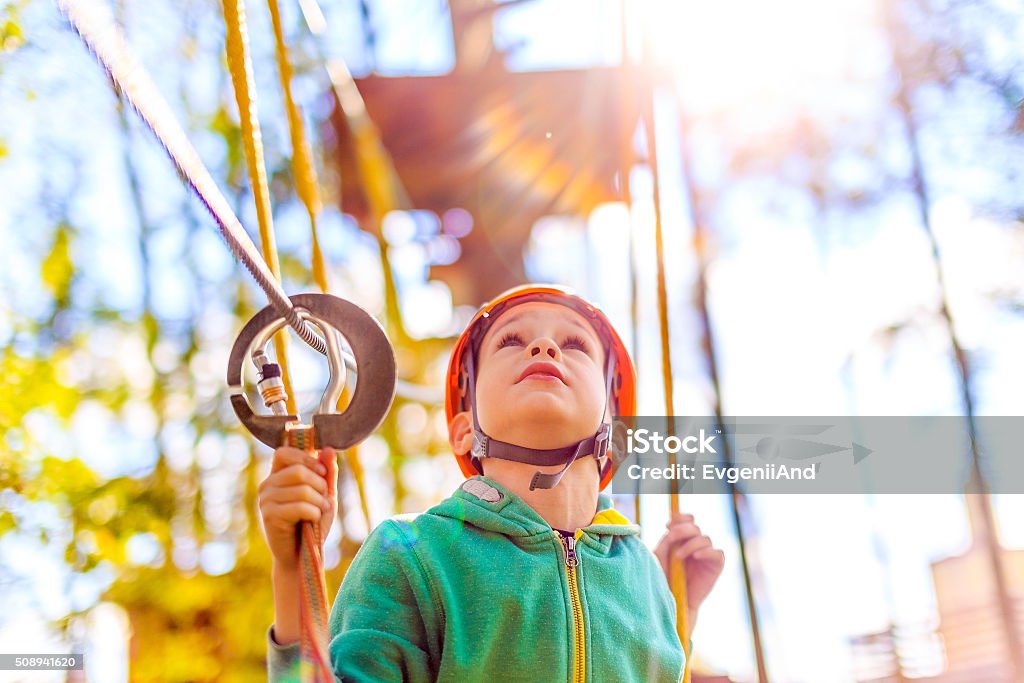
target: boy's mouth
548 372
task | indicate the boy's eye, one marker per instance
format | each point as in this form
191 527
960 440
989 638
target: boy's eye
574 342
510 339
515 339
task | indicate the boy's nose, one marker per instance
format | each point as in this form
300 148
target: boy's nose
544 347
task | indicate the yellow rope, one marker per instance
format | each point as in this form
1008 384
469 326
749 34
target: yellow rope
307 185
356 468
380 181
677 571
625 166
315 661
384 191
240 67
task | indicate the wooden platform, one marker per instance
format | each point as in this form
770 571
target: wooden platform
507 147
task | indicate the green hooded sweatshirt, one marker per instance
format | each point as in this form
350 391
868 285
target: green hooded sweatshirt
481 588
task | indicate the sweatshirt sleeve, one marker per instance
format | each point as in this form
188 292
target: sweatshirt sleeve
282 660
383 624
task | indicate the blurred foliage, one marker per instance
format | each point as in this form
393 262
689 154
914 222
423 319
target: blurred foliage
79 363
138 518
11 35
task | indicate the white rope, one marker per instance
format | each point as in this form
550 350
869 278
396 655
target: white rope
94 24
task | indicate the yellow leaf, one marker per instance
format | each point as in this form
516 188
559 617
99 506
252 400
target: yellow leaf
57 268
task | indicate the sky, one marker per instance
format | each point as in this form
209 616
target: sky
797 295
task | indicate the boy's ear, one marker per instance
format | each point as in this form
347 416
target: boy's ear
460 433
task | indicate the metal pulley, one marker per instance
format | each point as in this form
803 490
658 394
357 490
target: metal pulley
374 361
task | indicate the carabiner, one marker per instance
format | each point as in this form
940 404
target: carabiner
270 385
374 360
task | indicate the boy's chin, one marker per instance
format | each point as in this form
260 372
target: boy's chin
549 426
540 409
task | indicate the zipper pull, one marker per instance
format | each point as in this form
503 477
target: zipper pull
569 546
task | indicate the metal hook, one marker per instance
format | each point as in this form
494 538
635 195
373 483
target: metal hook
336 365
336 362
372 354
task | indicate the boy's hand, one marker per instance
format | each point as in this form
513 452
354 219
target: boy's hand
300 486
703 562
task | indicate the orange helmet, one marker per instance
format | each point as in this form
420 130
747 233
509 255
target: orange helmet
459 385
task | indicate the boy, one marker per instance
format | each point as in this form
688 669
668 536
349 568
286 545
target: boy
525 572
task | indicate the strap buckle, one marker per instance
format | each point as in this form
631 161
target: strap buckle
602 439
480 444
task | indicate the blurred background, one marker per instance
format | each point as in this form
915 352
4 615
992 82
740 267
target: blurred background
818 204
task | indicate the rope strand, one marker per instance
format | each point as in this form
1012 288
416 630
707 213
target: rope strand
315 666
243 83
307 185
98 31
677 570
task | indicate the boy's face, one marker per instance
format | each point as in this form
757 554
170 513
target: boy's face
540 377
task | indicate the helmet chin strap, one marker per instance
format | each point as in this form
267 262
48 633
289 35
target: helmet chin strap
595 444
486 447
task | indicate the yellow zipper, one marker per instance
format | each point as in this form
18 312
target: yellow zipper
572 562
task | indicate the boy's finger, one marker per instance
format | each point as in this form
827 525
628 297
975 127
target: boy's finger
299 474
286 455
303 474
680 532
679 517
690 547
289 513
329 459
296 494
710 553
672 542
676 535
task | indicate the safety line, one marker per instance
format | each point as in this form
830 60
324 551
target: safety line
306 184
381 185
244 85
313 602
677 570
97 29
308 188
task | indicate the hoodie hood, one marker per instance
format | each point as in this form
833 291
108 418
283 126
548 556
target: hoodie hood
486 504
478 587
